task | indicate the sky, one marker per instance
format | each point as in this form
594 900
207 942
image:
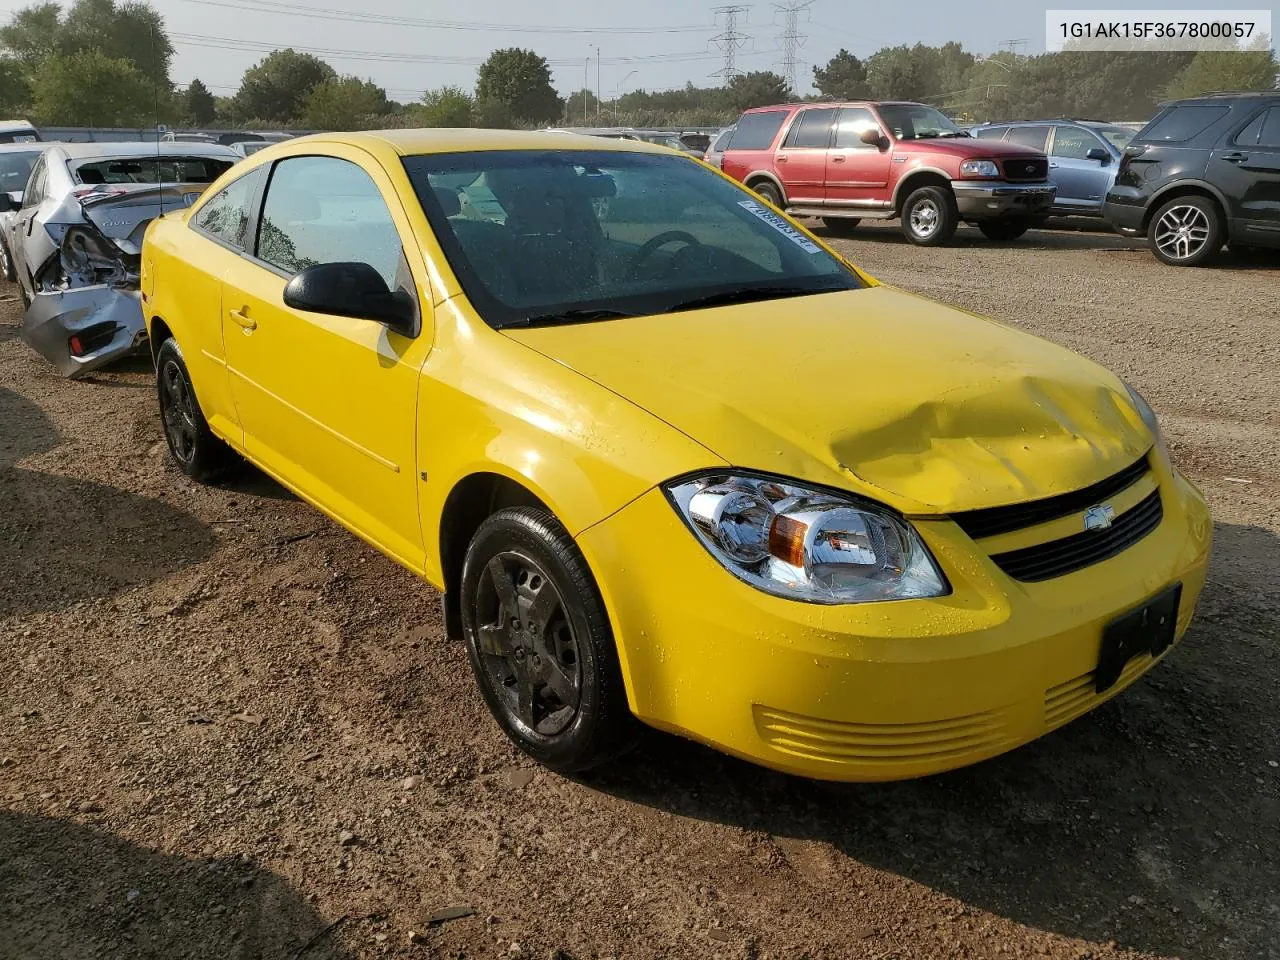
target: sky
408 46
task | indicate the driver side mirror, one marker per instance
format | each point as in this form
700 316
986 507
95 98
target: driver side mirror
1099 154
872 136
352 290
10 202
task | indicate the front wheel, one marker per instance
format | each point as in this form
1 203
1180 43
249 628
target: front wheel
197 452
540 642
768 191
1186 231
1003 230
929 217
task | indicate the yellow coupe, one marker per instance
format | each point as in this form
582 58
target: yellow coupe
668 456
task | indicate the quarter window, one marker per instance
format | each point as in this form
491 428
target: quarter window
1035 137
852 122
755 131
34 194
226 215
326 210
1072 143
1269 134
811 129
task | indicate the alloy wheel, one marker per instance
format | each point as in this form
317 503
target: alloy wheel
924 219
528 645
1182 232
178 411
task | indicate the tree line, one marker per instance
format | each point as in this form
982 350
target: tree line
107 63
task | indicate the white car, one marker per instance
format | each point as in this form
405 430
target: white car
16 161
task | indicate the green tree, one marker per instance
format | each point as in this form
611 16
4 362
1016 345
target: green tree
15 91
199 107
520 80
902 73
93 90
277 87
492 115
1213 70
344 103
128 31
757 89
32 35
844 77
445 107
581 107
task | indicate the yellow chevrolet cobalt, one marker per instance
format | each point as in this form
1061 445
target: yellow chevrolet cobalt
669 458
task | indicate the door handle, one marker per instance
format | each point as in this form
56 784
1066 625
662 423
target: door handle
241 319
1235 157
838 159
780 159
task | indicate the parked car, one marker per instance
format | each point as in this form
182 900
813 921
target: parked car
580 422
715 153
1203 172
76 238
845 162
16 161
1083 157
247 148
18 131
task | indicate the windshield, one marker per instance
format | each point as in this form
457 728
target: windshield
915 121
1119 137
15 168
563 236
166 169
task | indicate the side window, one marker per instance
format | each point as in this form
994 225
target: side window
326 210
849 127
991 133
1035 137
755 131
1179 124
226 216
811 129
1270 135
1072 143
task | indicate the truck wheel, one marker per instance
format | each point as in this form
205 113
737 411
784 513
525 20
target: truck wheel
929 217
1002 230
769 192
1186 231
841 226
198 453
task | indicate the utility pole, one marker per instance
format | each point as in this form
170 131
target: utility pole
1013 45
730 40
586 85
791 39
598 91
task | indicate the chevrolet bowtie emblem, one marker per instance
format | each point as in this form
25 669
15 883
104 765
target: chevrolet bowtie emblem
1099 517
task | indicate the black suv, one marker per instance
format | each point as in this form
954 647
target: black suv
1203 172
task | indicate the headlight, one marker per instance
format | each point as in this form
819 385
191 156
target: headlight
806 544
979 168
1149 418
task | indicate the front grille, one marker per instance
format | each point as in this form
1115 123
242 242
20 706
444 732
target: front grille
883 744
1044 561
1026 168
993 520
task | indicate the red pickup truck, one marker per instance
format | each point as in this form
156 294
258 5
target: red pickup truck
845 162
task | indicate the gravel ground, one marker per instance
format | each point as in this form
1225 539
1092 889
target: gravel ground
231 730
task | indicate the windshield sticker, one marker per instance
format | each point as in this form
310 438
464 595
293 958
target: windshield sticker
784 228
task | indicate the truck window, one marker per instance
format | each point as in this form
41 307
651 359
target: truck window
755 131
1035 137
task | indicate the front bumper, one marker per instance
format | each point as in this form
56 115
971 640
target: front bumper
107 320
877 691
1124 208
987 200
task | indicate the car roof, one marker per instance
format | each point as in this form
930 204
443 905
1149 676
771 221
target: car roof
31 146
142 148
413 142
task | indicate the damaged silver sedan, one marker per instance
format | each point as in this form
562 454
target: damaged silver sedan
75 241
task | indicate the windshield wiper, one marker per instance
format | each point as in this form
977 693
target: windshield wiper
955 133
568 316
749 295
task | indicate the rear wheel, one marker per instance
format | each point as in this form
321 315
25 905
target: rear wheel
768 191
842 226
1186 231
540 642
929 217
6 263
197 452
1003 230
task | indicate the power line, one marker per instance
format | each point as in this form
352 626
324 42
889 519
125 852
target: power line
1013 45
791 39
730 40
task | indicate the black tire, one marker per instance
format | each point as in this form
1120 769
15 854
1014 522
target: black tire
766 189
556 649
194 448
1003 231
6 263
1186 231
929 216
841 226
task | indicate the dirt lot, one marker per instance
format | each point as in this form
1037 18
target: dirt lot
228 725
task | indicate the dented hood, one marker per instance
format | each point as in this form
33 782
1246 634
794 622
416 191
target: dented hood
923 407
121 211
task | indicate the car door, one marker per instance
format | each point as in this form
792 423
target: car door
801 159
327 403
857 172
1082 181
24 224
1247 170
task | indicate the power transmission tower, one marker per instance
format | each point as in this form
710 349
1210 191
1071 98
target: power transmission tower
791 39
1013 45
730 40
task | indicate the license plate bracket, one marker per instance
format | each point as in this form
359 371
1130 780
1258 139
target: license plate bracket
1148 629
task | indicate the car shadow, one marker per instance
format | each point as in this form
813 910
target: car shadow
63 539
78 891
1150 821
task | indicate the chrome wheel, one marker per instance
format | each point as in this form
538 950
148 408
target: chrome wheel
528 647
1182 232
924 219
177 408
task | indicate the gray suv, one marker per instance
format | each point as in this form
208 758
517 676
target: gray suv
1084 156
